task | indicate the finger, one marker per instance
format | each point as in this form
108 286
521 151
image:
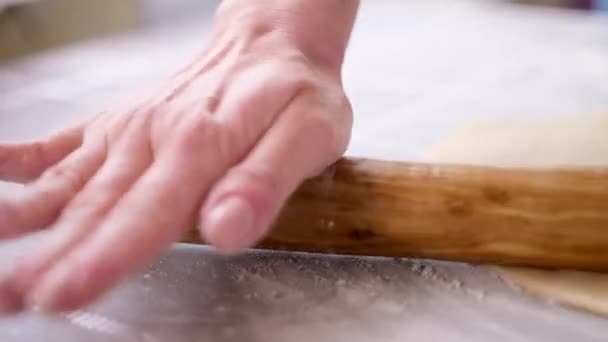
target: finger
152 215
10 300
25 162
241 207
41 202
127 162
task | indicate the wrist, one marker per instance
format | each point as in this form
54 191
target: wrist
318 29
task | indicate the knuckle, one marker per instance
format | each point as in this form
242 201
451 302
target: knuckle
205 133
37 150
140 120
298 74
212 101
260 183
338 112
328 131
67 175
258 175
196 131
301 83
32 159
279 77
344 124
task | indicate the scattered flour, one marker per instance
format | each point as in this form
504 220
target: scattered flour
98 323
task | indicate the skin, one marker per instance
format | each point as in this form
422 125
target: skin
222 144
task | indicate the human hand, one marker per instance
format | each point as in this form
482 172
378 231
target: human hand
223 144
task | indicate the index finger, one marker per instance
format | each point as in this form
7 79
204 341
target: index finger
23 162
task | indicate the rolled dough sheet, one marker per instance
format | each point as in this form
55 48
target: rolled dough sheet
575 142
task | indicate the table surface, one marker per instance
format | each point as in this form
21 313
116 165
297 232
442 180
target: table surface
415 71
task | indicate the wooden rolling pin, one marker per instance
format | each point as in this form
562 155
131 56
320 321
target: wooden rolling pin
553 218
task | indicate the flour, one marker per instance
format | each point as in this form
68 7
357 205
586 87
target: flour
340 282
477 294
98 323
431 274
428 272
455 284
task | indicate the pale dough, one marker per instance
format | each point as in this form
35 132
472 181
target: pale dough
535 144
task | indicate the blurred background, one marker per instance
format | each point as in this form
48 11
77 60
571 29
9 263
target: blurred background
27 26
442 61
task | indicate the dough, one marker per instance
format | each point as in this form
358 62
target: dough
535 144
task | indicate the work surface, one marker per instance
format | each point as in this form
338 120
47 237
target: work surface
416 70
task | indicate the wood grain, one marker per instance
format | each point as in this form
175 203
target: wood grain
554 218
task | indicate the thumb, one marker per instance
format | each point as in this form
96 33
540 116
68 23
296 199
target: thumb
242 206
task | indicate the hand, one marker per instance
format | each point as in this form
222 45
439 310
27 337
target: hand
224 144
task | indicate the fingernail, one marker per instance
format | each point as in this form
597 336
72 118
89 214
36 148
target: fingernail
230 225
